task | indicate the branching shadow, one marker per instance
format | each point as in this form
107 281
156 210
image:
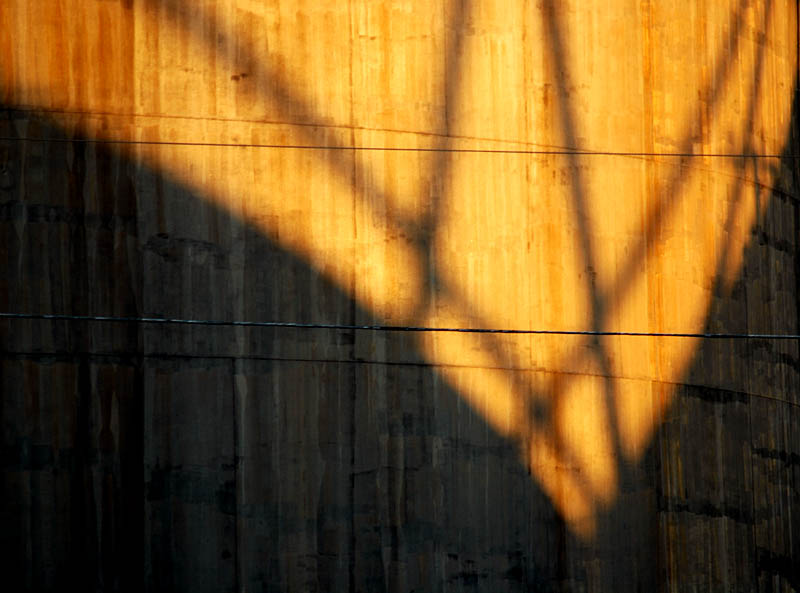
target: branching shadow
603 300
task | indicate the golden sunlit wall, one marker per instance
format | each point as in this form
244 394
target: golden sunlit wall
583 168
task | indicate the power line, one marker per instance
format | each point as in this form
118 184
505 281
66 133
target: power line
511 151
390 328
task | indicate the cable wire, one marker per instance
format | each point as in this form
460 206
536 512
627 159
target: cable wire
391 328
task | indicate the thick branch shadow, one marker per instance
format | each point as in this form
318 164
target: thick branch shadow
604 299
420 231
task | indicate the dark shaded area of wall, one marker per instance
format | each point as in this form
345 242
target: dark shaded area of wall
172 458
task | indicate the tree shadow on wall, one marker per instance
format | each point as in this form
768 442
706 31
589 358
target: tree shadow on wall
214 458
175 458
217 458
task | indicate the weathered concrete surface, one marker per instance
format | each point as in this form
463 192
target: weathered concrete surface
218 458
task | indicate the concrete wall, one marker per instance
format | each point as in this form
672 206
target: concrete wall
577 166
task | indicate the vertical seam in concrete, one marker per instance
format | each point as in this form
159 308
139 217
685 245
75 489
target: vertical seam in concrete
752 465
794 145
235 478
351 561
